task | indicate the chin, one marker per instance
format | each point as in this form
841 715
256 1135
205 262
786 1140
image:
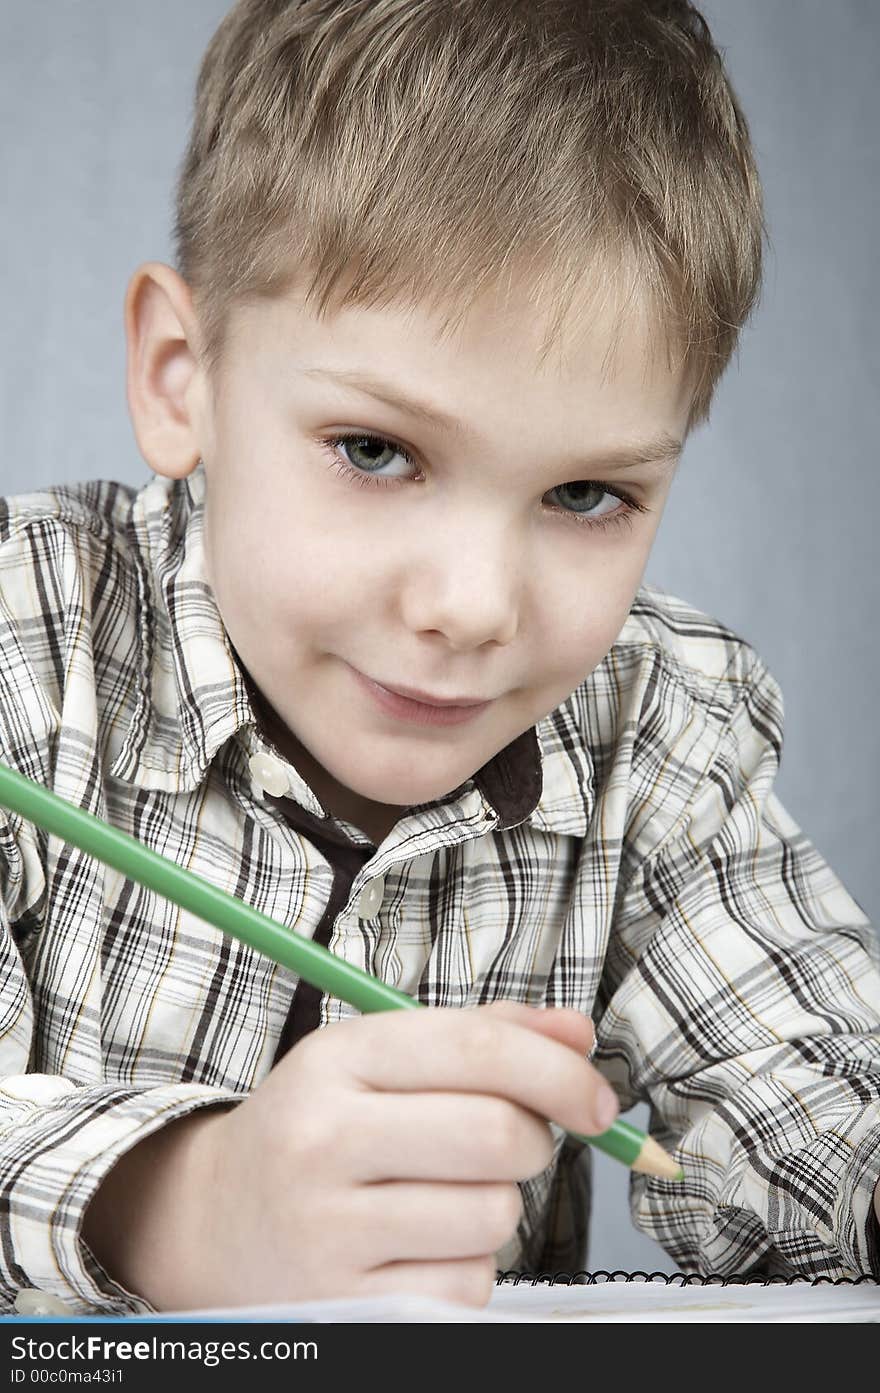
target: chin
404 793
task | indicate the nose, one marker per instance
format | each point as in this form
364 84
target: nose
466 584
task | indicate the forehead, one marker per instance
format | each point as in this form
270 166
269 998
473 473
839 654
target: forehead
603 327
521 338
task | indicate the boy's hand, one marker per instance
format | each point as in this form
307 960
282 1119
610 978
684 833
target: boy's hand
380 1155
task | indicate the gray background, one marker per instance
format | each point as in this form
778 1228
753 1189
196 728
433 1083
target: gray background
771 524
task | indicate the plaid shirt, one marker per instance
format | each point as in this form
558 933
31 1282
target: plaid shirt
627 857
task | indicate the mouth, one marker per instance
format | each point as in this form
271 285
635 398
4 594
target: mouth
426 699
423 708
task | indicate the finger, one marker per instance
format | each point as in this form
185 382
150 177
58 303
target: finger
471 1051
446 1136
401 1221
468 1282
564 1024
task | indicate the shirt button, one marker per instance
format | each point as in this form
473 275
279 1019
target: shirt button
371 897
269 773
31 1302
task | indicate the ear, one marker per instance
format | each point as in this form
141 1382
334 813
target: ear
165 384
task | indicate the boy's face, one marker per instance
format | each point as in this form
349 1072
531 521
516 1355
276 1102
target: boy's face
479 570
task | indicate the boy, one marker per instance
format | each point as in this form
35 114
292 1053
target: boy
373 653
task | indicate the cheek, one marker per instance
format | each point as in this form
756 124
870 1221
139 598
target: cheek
575 633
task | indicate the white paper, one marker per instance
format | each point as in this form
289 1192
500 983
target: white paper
605 1301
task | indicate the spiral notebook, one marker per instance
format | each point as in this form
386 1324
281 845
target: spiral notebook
604 1296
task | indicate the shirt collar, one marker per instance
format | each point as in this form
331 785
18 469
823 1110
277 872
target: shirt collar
192 695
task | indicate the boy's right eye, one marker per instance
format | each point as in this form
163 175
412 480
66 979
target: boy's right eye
361 457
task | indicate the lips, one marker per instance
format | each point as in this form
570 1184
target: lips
396 702
426 699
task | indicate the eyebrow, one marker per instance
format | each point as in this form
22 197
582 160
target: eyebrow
663 451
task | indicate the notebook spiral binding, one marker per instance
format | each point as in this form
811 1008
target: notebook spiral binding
670 1279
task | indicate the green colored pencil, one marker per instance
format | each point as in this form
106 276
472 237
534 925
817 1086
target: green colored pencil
232 916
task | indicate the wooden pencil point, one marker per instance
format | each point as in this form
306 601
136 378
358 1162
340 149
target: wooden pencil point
653 1160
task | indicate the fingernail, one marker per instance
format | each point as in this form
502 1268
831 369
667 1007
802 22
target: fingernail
606 1107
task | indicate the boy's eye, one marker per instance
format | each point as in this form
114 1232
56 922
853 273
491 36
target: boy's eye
369 452
364 460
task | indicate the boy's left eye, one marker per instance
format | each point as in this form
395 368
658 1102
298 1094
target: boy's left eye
361 457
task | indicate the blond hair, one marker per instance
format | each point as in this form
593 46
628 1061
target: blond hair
420 151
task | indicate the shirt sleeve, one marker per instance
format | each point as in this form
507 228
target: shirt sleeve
59 1139
743 1004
